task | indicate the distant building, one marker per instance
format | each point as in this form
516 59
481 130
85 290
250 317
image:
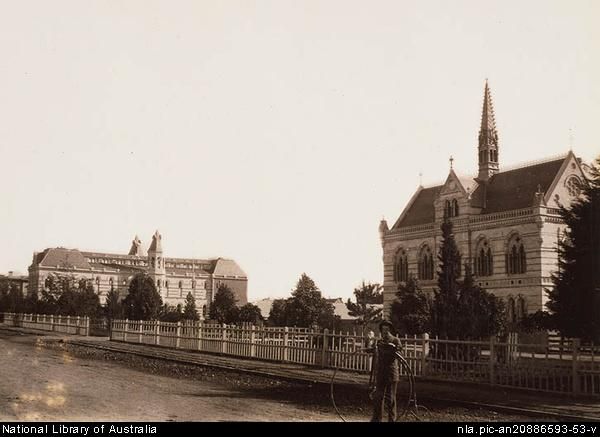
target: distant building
19 281
506 224
346 323
174 277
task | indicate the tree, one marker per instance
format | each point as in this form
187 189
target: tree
189 311
445 304
277 314
250 313
367 295
223 308
410 311
480 314
143 302
78 299
307 307
170 313
113 308
11 298
575 299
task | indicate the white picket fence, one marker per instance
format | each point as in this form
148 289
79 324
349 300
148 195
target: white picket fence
526 366
75 325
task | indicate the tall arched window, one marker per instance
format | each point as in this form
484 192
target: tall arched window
521 308
425 264
204 311
484 262
401 266
516 258
447 209
454 208
511 310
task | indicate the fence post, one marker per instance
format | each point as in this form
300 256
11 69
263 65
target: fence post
424 354
252 341
575 369
224 337
200 325
87 326
324 350
77 330
285 343
126 329
140 330
178 338
492 360
68 330
157 332
51 323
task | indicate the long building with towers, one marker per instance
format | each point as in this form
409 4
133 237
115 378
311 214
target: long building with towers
506 224
174 277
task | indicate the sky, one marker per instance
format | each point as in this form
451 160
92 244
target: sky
277 133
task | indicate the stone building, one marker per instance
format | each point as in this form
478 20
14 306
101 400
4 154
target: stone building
174 277
506 224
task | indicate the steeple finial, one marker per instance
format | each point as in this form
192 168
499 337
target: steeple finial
488 138
451 162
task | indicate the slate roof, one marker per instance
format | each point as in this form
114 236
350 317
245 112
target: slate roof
71 258
227 267
505 191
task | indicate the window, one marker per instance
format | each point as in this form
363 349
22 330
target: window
193 284
516 259
180 285
401 266
573 185
484 262
511 310
204 311
425 264
451 208
521 308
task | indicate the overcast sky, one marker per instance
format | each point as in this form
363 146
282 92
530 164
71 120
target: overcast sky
277 133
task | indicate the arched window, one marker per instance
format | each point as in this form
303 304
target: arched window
484 263
573 185
511 310
158 283
425 264
454 208
516 258
111 284
204 311
447 209
180 285
401 266
521 309
193 284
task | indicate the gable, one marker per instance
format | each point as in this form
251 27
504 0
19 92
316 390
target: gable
561 191
421 210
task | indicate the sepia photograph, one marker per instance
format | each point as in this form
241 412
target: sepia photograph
299 211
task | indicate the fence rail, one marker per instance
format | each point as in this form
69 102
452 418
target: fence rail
75 325
574 369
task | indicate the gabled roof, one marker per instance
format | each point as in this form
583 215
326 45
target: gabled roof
421 210
61 257
515 189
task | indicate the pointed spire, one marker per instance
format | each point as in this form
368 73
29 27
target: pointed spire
488 138
488 121
136 247
156 245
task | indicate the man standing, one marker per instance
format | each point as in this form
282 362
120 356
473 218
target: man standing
386 373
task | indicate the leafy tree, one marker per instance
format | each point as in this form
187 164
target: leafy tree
367 295
575 299
11 298
445 304
307 307
189 311
223 308
411 309
113 308
78 299
250 313
143 301
480 314
277 315
170 313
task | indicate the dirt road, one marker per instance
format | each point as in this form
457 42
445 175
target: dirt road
41 381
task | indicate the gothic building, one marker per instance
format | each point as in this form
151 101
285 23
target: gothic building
174 277
506 224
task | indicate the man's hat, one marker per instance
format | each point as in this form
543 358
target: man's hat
386 323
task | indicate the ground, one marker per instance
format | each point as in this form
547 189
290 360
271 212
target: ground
45 379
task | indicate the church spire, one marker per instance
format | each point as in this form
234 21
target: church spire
488 138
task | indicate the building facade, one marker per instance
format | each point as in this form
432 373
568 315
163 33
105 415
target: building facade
174 277
506 224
